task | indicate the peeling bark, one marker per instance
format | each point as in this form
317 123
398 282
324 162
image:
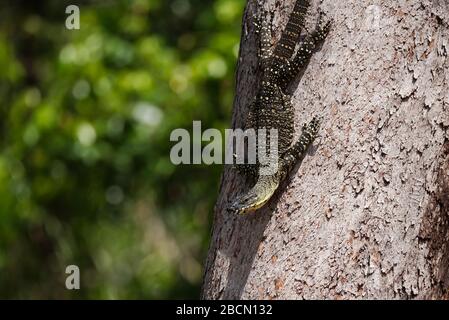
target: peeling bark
366 215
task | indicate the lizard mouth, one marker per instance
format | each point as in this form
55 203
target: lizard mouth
247 205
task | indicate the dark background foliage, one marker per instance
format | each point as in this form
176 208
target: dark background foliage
85 121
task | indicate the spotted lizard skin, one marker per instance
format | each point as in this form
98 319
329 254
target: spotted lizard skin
272 107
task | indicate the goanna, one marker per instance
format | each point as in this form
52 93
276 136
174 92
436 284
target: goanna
272 107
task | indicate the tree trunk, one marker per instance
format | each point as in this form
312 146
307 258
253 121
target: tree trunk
366 215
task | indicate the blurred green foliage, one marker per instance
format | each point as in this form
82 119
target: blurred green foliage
85 120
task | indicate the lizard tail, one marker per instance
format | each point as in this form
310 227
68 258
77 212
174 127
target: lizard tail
257 196
292 31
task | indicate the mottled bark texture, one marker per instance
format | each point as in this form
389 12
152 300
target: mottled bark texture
366 214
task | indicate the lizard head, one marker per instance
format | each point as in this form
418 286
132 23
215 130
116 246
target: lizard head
247 204
257 197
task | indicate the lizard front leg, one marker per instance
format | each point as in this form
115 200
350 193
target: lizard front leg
298 149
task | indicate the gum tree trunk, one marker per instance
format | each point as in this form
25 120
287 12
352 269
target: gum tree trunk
366 215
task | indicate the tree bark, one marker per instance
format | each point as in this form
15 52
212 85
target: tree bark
366 215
